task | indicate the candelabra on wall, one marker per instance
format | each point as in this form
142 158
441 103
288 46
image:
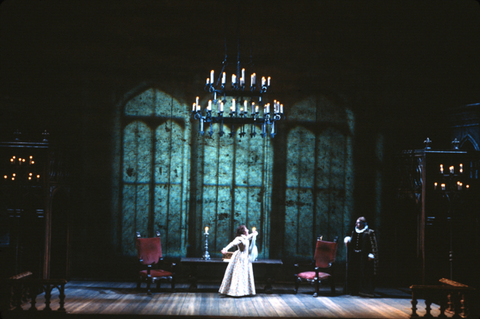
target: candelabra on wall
437 191
450 182
22 169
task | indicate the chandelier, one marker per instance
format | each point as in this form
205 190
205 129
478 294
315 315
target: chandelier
238 103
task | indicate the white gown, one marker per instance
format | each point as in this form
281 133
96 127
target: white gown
238 279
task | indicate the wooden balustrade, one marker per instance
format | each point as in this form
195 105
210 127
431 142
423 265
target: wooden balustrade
21 288
452 297
12 294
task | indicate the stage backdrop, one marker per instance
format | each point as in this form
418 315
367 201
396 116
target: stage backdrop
168 178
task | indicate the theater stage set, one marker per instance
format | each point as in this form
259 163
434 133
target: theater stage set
189 118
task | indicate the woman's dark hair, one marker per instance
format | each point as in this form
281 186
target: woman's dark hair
241 230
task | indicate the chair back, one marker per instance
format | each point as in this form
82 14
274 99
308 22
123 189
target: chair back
325 253
149 250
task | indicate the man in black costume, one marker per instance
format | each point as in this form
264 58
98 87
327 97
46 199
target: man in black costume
362 260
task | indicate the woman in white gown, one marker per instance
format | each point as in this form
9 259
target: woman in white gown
238 279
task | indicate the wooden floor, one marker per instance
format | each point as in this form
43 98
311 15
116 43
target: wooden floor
107 299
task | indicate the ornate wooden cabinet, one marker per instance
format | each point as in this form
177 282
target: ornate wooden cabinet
439 200
34 201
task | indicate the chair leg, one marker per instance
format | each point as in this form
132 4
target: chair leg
173 284
316 287
149 292
296 284
332 286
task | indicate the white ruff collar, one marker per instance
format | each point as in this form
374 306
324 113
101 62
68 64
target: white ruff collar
358 231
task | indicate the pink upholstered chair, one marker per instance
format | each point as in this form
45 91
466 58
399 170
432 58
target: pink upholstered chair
149 253
322 267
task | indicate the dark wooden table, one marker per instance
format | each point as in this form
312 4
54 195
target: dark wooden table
218 262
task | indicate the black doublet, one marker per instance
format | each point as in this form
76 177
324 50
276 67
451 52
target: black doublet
362 270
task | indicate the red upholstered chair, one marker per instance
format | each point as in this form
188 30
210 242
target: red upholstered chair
322 267
149 253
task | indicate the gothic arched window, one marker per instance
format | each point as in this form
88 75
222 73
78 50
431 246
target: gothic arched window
235 182
319 178
154 161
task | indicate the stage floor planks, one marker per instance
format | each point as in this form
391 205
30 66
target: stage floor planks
88 298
